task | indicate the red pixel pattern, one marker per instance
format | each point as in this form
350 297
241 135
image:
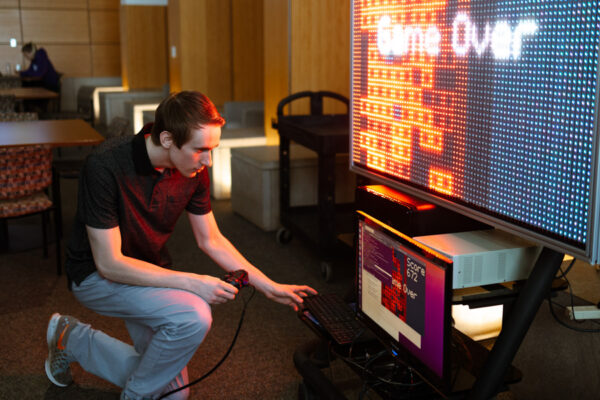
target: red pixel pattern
402 113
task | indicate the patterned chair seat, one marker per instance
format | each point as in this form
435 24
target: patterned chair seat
18 116
31 204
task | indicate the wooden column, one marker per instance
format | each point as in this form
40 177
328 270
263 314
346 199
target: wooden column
276 64
307 47
143 46
216 47
200 47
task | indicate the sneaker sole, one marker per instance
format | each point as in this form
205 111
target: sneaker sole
49 336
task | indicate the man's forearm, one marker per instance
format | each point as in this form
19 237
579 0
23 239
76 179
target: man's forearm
132 271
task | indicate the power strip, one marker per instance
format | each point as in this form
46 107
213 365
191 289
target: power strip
583 312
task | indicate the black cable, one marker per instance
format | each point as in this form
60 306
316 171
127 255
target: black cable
564 274
365 369
239 327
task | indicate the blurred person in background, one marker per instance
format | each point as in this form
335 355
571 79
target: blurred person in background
40 67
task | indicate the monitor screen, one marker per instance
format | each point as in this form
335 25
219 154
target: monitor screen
404 295
489 108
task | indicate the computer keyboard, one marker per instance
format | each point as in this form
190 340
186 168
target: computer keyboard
335 316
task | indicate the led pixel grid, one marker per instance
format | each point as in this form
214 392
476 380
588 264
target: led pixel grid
490 104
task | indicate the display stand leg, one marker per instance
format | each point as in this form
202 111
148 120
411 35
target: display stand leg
517 324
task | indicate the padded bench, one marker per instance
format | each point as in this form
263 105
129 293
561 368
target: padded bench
220 172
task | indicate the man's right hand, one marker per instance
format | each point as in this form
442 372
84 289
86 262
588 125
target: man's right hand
213 290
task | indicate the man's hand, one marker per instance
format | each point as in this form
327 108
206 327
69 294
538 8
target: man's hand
290 295
211 289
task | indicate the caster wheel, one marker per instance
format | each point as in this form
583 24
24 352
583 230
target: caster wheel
305 392
326 271
284 236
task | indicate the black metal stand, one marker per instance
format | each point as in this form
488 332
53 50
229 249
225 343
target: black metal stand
517 324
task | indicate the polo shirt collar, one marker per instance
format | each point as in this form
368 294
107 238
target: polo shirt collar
141 160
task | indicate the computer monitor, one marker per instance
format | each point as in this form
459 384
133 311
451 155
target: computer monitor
404 297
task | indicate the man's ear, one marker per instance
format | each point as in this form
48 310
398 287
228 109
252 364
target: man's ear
166 139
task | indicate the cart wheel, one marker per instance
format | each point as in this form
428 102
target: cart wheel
284 236
326 271
305 392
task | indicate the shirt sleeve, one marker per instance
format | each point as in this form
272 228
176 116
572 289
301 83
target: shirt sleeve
38 66
98 195
199 204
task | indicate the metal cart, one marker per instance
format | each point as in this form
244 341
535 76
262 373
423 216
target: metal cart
327 135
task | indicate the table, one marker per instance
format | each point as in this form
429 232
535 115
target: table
56 133
34 93
30 93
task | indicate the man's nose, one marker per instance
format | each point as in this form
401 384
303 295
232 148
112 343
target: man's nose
206 159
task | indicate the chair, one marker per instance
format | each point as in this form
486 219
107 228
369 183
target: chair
118 126
7 102
18 116
84 107
8 82
25 175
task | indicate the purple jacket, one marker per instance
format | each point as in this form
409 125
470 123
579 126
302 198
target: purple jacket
42 67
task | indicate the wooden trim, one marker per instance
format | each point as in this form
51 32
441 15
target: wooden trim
143 47
276 65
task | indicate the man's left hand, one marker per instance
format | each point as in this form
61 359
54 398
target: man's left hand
290 295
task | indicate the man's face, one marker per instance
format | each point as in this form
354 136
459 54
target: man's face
195 155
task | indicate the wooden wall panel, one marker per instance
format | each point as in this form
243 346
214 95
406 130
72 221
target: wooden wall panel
193 45
203 42
247 52
320 47
218 54
9 3
56 4
276 66
10 26
106 60
49 26
83 35
104 26
104 4
143 46
63 56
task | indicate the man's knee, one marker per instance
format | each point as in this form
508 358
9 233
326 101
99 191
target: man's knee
191 324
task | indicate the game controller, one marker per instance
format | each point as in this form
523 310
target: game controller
238 278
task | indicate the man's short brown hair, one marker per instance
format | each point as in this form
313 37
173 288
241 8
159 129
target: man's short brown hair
181 112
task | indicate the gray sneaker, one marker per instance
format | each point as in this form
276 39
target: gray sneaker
58 362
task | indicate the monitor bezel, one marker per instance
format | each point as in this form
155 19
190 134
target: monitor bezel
590 252
442 383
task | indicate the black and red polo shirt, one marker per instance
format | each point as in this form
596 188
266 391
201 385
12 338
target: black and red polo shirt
118 186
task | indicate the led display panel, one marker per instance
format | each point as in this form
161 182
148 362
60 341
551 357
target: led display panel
489 107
